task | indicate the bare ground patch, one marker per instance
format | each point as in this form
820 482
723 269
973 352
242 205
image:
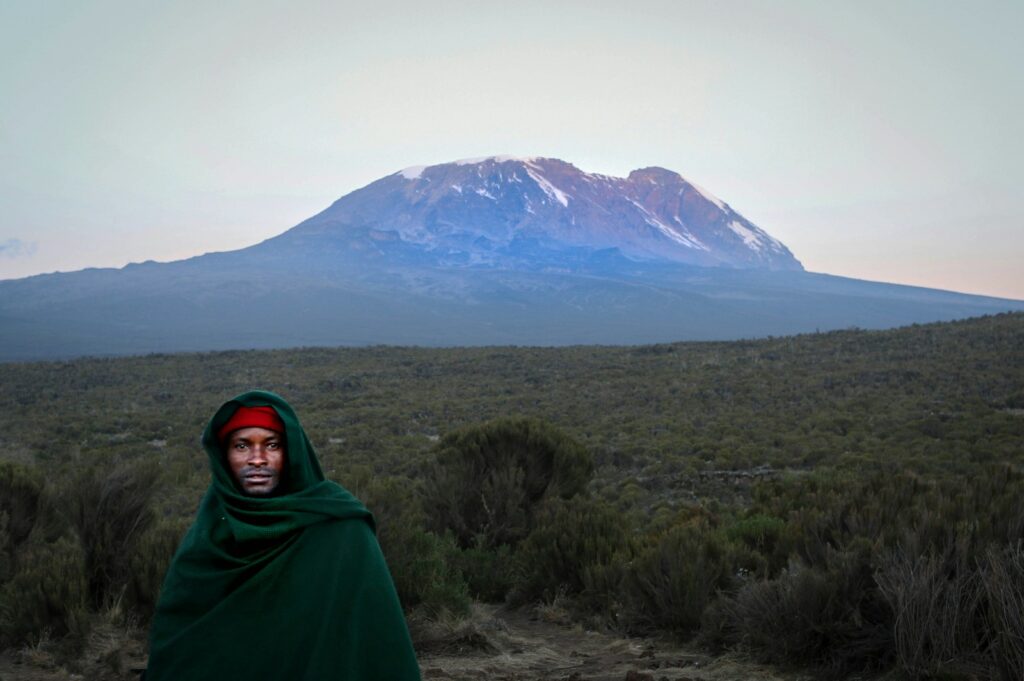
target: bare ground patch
499 645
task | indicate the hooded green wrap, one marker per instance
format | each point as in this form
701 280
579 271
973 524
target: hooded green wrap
291 586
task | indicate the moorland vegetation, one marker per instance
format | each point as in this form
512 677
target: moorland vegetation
848 501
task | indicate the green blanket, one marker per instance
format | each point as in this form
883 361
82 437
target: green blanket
292 586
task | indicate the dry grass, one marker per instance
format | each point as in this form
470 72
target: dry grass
526 647
1005 587
937 607
453 635
111 652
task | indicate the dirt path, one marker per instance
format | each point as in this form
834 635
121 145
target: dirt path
512 646
492 645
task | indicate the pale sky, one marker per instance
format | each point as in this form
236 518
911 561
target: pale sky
877 139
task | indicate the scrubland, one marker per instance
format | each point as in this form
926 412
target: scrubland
845 504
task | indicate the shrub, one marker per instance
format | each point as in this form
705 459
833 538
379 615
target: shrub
830 616
148 563
424 568
489 573
424 565
110 512
825 511
574 549
23 509
47 594
674 577
762 537
487 481
393 502
937 603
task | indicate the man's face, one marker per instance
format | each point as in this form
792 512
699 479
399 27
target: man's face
256 457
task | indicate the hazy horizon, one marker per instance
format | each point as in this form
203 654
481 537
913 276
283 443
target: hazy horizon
879 141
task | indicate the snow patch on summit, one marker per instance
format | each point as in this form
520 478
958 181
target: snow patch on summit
415 172
496 159
412 172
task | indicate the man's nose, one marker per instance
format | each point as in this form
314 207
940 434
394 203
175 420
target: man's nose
257 454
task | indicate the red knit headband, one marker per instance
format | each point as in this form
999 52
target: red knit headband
251 417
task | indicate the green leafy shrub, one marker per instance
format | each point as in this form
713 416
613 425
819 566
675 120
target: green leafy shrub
917 538
489 573
487 481
762 537
576 548
426 574
148 564
47 594
894 508
23 510
830 616
392 499
424 565
675 575
42 576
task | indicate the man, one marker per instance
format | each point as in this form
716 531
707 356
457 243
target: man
280 576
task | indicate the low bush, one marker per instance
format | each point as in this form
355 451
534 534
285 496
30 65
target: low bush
110 510
675 575
937 602
425 572
424 565
24 510
894 508
830 617
762 537
489 573
884 568
148 564
47 594
575 549
487 481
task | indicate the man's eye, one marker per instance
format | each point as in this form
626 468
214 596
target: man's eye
273 445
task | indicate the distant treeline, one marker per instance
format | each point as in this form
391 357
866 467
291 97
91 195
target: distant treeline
847 500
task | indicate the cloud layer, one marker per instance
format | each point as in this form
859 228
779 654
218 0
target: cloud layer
16 248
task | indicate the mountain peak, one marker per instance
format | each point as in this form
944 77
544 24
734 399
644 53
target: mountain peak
481 211
654 173
497 250
415 172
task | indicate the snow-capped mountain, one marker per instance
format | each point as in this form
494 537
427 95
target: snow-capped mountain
525 251
501 210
